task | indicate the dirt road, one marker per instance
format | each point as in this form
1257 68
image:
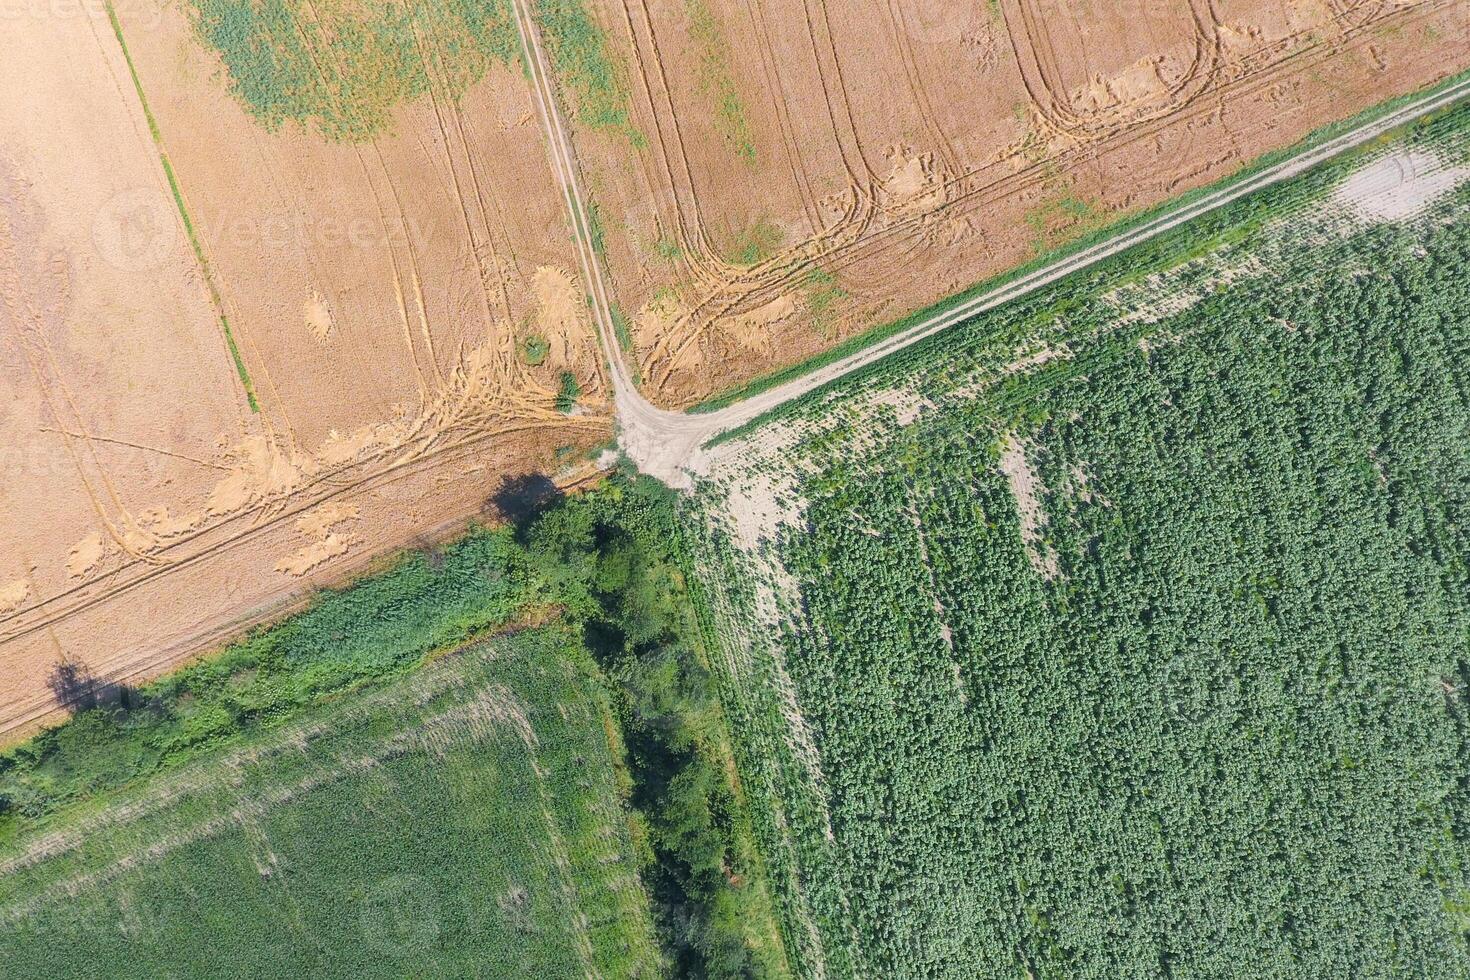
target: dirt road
671 446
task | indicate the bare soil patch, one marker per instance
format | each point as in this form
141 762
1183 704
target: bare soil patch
1397 186
1027 490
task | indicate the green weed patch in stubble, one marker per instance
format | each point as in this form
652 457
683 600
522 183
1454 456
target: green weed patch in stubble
534 350
582 62
755 242
341 66
716 83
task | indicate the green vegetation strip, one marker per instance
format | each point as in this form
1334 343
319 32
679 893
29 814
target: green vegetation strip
347 640
501 758
867 338
173 186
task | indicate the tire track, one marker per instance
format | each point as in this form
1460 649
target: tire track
966 197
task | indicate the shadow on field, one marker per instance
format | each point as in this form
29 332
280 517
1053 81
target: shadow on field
77 688
520 499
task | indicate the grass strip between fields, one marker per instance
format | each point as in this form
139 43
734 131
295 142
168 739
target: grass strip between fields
173 186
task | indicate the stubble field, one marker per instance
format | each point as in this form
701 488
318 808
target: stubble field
776 177
284 289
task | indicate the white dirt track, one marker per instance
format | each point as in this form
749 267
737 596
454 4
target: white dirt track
671 446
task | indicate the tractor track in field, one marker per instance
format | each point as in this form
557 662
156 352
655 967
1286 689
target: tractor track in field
672 446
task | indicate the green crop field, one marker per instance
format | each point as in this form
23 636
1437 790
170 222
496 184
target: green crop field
1125 631
462 821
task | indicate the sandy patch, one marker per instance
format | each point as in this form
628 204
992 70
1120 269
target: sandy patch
752 331
656 319
337 448
319 524
326 517
150 529
1397 186
1027 490
159 522
261 469
318 318
314 554
916 183
1238 41
84 556
13 593
1139 82
561 311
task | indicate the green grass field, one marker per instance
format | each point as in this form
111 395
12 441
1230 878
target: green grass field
1128 624
499 758
461 821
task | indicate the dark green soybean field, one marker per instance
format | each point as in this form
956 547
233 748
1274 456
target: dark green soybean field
1144 651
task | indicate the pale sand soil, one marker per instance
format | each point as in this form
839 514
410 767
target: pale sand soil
1028 492
1399 185
910 150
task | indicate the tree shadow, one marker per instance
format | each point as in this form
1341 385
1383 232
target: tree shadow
520 499
77 688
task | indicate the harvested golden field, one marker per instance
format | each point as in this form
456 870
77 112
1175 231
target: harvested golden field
774 176
257 329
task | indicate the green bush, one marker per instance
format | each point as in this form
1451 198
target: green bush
570 391
534 350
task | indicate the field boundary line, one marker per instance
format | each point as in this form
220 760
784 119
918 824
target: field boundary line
173 185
